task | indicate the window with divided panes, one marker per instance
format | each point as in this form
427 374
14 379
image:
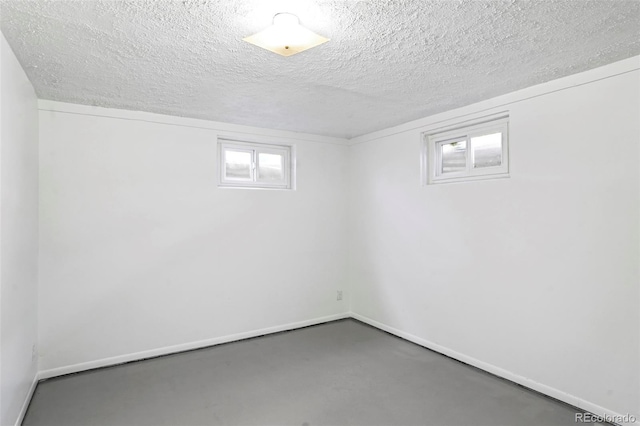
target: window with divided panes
477 151
254 165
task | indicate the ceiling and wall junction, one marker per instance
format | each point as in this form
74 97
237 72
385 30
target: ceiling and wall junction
387 62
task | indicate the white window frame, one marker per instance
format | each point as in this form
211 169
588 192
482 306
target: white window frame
255 149
432 153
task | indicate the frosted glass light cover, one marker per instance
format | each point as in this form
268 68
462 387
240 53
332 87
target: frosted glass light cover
286 36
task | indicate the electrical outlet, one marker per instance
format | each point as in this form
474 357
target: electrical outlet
339 295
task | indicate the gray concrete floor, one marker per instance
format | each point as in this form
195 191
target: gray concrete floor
339 373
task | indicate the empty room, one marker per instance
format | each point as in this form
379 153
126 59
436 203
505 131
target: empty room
309 212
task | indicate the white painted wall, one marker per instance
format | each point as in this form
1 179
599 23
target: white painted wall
19 235
140 250
534 277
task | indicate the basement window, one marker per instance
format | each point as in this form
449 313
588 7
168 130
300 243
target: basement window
472 152
254 165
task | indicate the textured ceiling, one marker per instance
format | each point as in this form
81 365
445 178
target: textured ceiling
388 62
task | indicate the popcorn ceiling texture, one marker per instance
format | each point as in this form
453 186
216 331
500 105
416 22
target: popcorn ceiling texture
388 62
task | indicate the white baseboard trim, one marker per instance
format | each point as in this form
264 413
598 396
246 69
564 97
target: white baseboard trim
167 350
521 380
27 400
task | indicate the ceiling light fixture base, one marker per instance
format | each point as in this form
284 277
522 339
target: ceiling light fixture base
286 36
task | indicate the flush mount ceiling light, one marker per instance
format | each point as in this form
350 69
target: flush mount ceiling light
286 36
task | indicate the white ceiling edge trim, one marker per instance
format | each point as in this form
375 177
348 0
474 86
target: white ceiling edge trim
232 129
441 119
470 111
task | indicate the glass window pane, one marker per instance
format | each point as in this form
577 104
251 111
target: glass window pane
454 156
237 165
270 167
487 150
